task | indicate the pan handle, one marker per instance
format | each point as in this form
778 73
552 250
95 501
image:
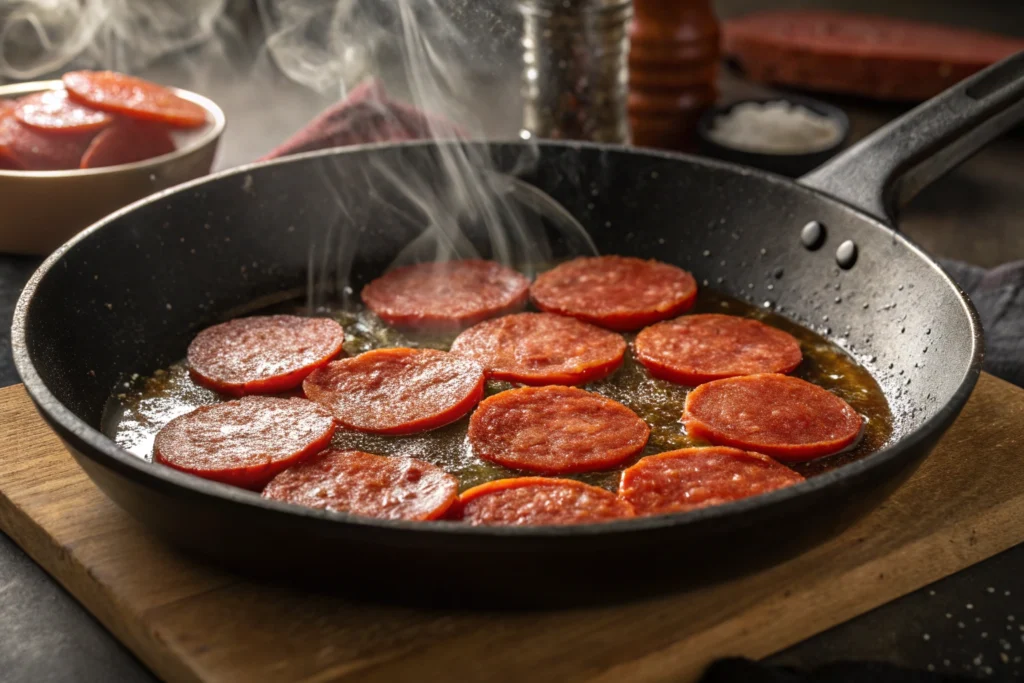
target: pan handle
887 168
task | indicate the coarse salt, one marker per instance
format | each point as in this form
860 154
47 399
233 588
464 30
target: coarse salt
777 127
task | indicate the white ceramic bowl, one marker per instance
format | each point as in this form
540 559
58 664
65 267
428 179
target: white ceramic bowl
40 210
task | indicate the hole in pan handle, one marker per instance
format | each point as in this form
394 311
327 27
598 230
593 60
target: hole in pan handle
887 168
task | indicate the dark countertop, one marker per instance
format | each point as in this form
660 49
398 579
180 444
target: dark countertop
971 622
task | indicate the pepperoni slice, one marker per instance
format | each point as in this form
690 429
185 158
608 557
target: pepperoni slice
246 442
691 478
53 112
262 354
134 97
24 148
700 348
555 430
367 485
784 417
541 348
127 142
397 391
539 501
448 294
7 162
617 292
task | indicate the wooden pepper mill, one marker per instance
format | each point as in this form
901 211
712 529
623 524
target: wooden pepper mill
673 69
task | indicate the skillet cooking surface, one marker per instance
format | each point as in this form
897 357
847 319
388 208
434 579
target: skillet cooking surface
129 295
135 414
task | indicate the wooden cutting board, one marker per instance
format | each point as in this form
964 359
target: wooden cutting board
190 622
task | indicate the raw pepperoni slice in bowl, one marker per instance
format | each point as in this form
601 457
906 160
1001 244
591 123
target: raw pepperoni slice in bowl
52 111
542 348
555 430
244 443
126 142
262 354
701 348
29 149
368 485
692 478
781 416
397 391
618 292
447 294
538 501
7 160
133 97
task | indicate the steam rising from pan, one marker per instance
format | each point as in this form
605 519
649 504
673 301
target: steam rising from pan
428 51
433 56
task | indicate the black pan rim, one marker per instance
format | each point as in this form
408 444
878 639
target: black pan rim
106 452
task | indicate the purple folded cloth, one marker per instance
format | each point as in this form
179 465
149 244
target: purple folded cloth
998 296
369 114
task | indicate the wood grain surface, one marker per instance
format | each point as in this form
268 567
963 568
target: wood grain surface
191 622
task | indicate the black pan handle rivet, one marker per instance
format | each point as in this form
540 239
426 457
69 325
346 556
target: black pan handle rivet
846 254
812 235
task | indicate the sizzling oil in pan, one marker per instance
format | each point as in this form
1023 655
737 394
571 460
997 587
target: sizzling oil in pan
134 417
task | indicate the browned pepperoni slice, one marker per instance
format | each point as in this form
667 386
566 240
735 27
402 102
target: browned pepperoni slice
368 485
539 501
26 149
449 294
262 354
397 391
126 142
555 430
617 292
541 348
693 478
784 417
245 442
700 348
52 112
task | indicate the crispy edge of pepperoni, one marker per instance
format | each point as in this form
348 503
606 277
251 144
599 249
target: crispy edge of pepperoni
641 466
457 511
268 385
274 489
251 478
591 373
596 465
620 322
100 90
690 376
783 452
425 424
442 323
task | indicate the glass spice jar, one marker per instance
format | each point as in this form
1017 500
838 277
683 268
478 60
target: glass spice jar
575 74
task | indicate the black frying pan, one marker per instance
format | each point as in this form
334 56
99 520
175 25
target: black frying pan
181 260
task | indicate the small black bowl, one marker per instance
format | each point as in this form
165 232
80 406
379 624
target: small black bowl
791 165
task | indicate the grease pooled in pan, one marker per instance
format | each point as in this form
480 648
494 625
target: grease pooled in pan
134 416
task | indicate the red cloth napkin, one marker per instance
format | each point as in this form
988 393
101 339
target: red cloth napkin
367 115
